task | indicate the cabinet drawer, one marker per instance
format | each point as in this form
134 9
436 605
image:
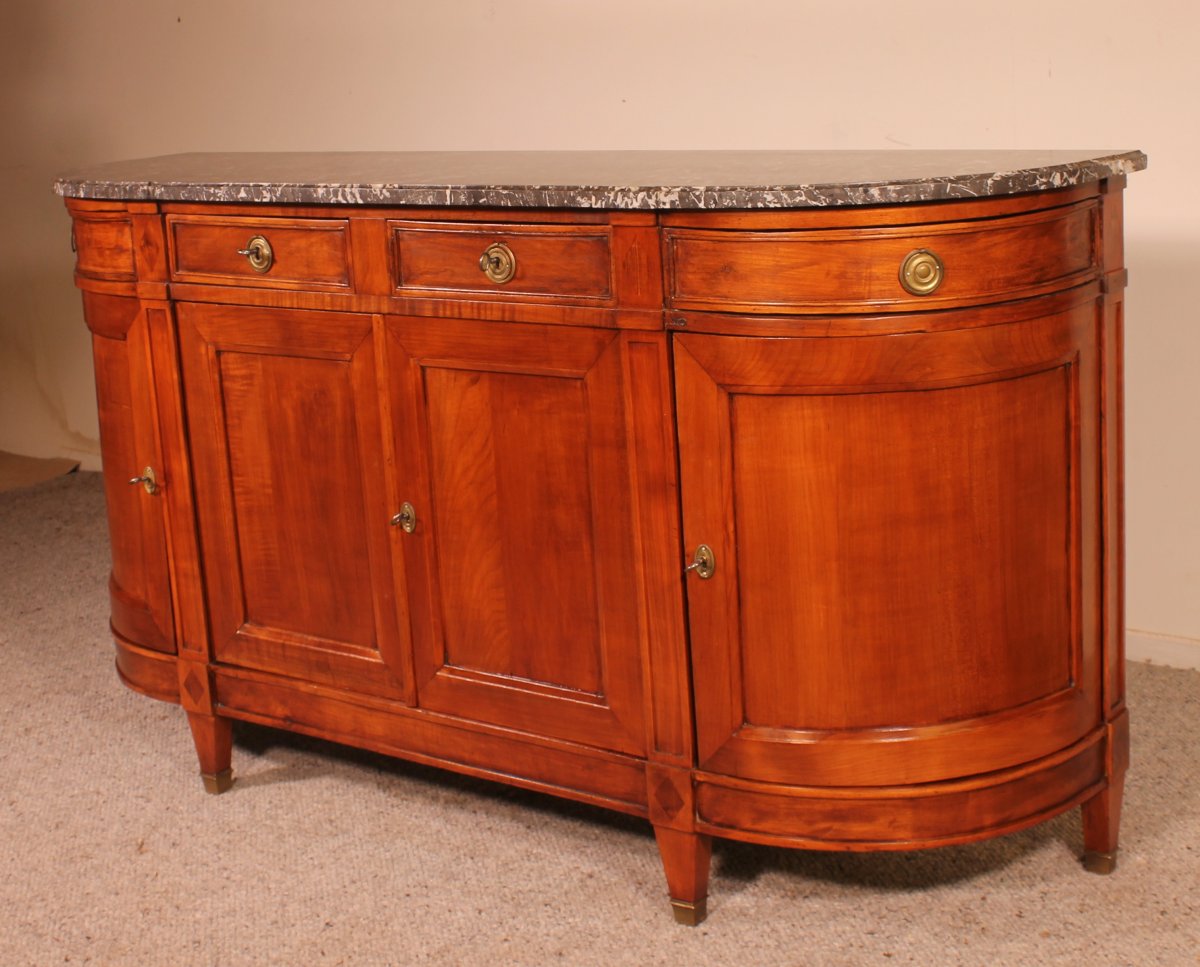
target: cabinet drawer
560 263
862 270
103 243
293 253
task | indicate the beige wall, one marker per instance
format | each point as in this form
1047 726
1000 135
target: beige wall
84 81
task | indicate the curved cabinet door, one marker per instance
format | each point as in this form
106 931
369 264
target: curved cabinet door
513 445
904 528
139 587
283 415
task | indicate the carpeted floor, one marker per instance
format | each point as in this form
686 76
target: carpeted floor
111 853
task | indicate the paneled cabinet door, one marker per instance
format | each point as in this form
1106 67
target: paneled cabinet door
906 564
283 412
521 553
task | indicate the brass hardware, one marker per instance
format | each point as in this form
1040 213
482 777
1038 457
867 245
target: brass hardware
148 479
704 563
1095 861
259 254
690 913
498 263
406 519
218 782
921 272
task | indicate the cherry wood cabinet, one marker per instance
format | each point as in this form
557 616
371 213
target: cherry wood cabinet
798 526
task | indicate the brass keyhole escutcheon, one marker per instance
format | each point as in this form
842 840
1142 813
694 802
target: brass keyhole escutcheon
259 254
406 520
498 263
704 563
921 272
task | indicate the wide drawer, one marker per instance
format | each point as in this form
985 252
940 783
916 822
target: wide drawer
882 269
564 263
301 253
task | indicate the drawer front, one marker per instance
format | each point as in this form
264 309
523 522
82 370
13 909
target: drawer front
304 253
862 270
103 243
564 263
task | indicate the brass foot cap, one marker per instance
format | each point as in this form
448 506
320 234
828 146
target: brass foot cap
218 783
689 913
1097 862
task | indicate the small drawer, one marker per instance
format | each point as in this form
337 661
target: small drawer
293 253
558 263
902 268
103 243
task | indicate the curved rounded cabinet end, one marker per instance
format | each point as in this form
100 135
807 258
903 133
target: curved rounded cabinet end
148 672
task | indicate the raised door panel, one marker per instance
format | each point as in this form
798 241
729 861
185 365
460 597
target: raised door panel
139 586
512 445
283 413
904 529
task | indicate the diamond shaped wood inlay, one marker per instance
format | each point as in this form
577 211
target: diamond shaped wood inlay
669 800
194 687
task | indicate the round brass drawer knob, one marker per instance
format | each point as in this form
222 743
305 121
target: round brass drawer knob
921 272
498 263
258 253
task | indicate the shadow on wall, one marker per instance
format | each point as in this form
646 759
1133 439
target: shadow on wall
1162 460
47 396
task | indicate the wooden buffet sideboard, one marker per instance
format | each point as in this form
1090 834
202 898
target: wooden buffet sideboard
774 496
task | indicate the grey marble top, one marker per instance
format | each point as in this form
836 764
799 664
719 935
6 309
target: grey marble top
596 179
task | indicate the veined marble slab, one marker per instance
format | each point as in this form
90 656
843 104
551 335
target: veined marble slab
651 180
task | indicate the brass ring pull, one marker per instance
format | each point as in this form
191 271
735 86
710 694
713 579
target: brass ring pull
259 254
498 263
148 480
921 272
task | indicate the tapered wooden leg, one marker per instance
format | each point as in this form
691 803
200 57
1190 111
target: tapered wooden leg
685 858
1101 819
213 736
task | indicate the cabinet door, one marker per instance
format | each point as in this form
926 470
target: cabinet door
139 588
904 529
512 445
288 460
